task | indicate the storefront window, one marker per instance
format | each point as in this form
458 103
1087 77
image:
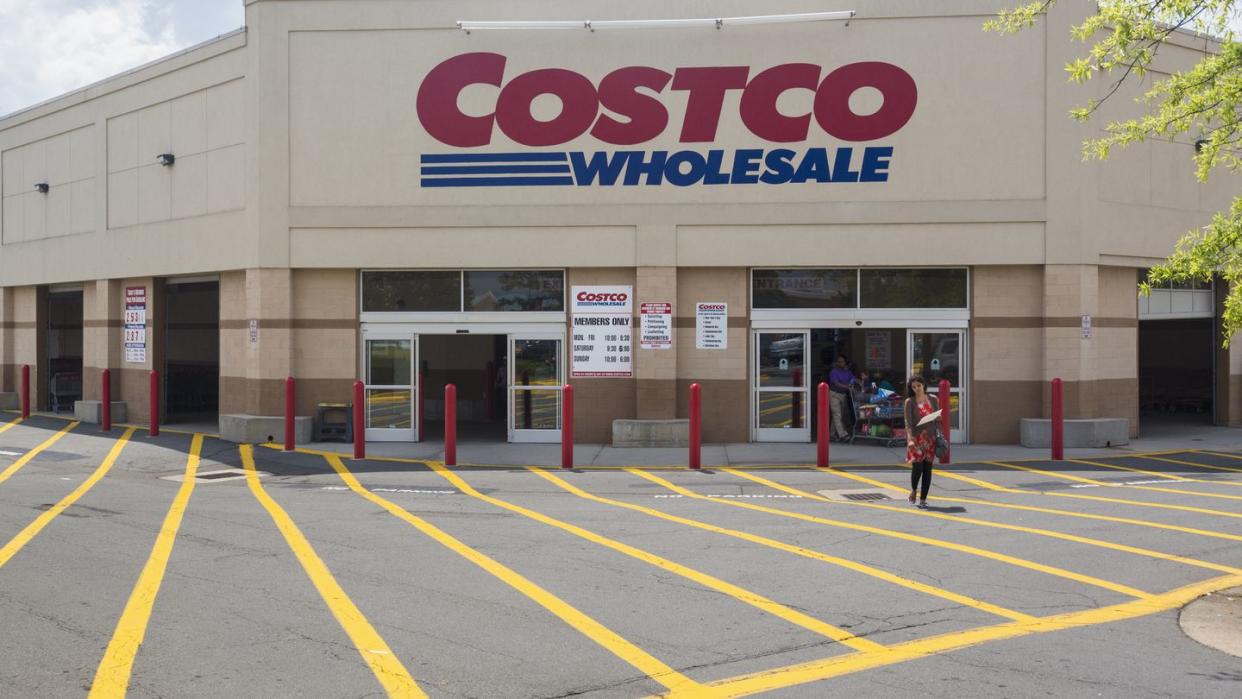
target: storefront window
805 288
913 288
515 290
411 292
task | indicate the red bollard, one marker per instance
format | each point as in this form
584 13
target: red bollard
360 424
696 426
821 426
450 425
567 428
1058 421
946 427
289 409
105 400
25 391
154 403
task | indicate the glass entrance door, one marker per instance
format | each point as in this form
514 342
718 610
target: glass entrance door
941 354
781 382
391 390
536 377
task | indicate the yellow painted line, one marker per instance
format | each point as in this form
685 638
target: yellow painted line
386 666
1227 455
789 548
961 548
607 638
1080 479
1045 510
1155 474
112 675
24 536
11 424
1192 463
745 596
1124 548
819 670
30 455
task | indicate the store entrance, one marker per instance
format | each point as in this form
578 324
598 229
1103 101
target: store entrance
62 350
191 351
789 364
1176 373
477 365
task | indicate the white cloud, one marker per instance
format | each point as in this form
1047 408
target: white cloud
50 47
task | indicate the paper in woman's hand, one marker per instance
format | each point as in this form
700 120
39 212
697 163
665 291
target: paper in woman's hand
931 417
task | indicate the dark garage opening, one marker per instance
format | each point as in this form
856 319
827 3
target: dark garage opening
192 351
63 350
476 364
1176 377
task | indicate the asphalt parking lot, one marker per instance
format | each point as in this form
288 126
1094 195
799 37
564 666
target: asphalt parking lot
187 566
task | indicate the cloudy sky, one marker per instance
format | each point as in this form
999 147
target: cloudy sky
49 47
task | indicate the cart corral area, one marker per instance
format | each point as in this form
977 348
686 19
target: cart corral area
186 566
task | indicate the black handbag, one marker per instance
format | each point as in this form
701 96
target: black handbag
942 446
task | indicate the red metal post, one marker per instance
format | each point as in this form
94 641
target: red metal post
105 400
696 425
289 410
154 403
422 404
946 410
1058 421
25 391
567 427
450 425
796 419
821 426
360 424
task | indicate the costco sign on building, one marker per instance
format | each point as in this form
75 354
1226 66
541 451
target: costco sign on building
628 107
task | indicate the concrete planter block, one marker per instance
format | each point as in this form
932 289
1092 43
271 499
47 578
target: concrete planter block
91 411
10 401
1097 433
650 433
257 429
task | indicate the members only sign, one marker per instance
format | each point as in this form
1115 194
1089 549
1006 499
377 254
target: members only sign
601 331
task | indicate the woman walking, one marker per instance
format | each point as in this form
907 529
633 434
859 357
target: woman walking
920 440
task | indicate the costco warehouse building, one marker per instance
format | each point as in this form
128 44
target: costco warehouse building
368 190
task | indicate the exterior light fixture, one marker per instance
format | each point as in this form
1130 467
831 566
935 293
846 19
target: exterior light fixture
1199 144
166 159
709 22
41 187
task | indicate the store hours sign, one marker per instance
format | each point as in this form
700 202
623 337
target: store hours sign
602 333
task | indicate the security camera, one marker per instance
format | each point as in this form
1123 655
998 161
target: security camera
41 188
165 159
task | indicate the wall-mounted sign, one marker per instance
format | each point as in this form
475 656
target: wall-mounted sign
656 330
602 334
649 102
1086 327
711 326
879 349
254 330
135 324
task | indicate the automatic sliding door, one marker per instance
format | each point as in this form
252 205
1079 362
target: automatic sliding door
941 354
781 407
536 377
391 391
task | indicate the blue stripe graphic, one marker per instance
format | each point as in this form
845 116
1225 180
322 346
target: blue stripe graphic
431 158
495 170
496 181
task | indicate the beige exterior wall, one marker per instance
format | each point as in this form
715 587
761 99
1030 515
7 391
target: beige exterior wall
298 163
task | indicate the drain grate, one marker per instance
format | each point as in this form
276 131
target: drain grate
865 496
218 475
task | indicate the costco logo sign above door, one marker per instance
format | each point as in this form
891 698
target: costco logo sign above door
630 106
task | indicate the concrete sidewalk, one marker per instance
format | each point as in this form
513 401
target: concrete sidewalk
1156 439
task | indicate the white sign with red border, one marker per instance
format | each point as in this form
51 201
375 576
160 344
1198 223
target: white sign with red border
135 323
656 328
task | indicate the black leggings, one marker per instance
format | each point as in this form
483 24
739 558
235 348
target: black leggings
921 469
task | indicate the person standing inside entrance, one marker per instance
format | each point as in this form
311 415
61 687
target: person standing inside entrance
920 440
839 380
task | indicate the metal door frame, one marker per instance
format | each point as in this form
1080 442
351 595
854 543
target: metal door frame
771 434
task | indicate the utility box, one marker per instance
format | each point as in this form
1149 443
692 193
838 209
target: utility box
334 422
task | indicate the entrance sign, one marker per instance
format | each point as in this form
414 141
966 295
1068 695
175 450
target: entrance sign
711 326
602 338
135 329
657 325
